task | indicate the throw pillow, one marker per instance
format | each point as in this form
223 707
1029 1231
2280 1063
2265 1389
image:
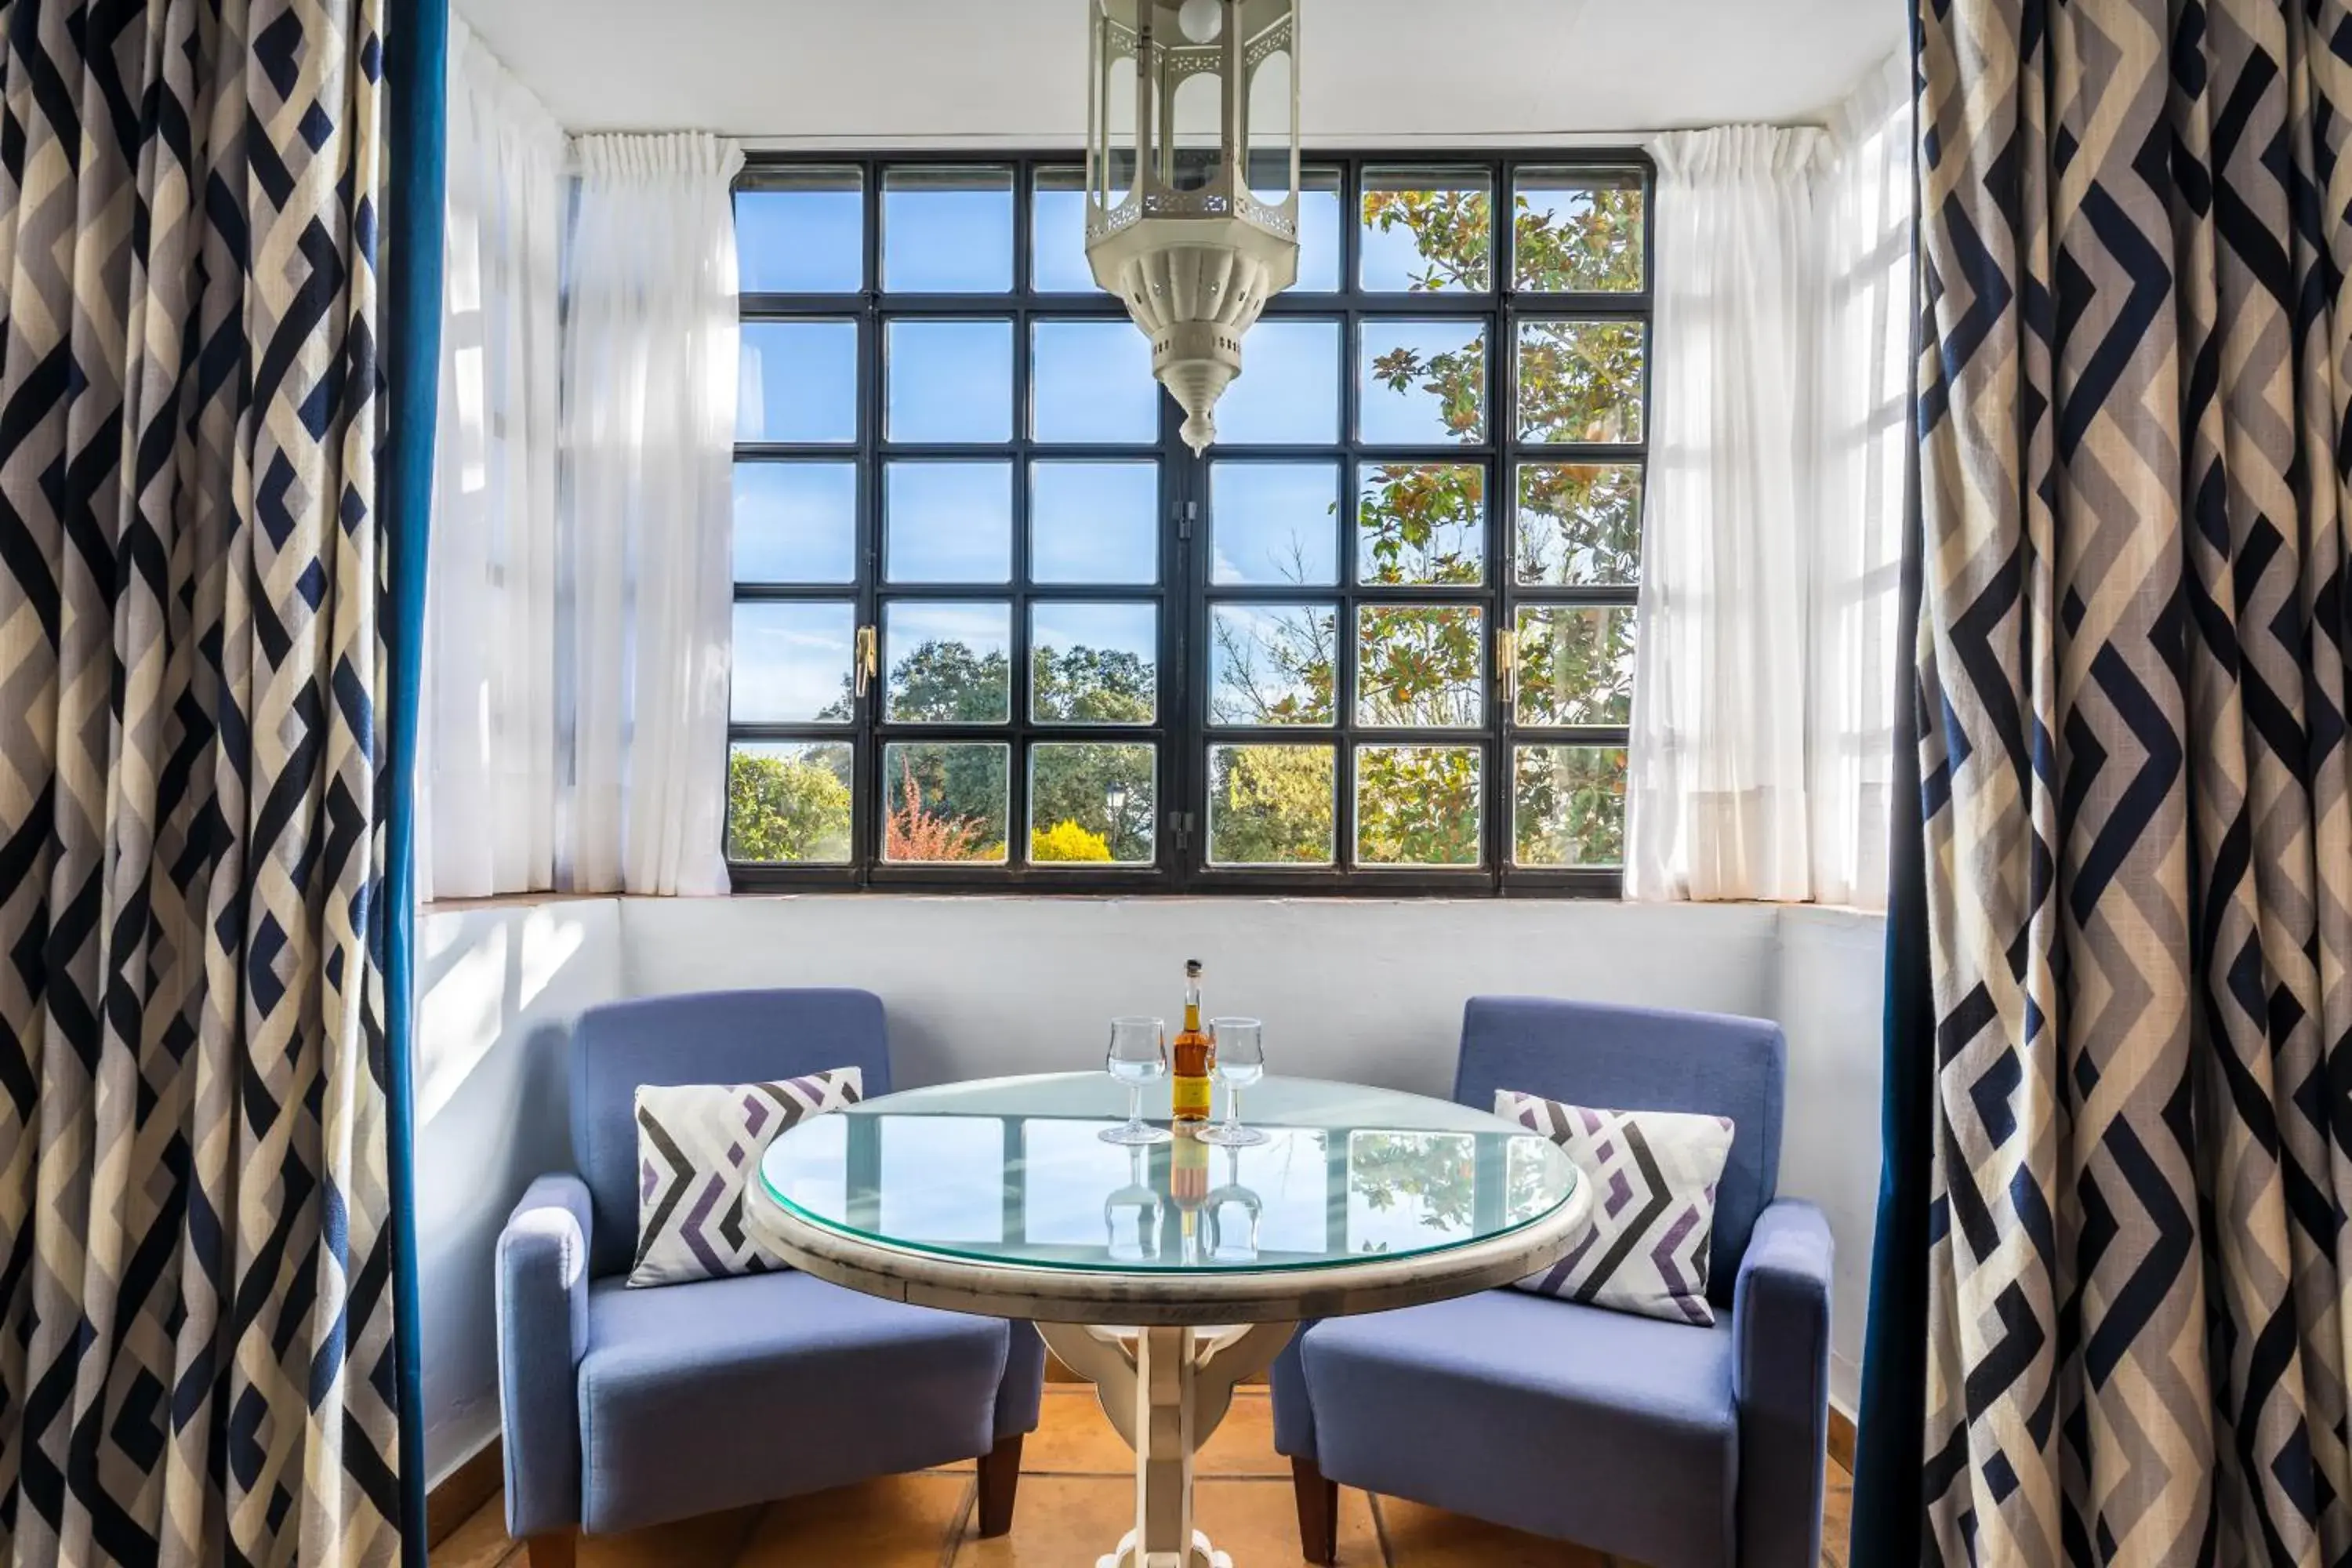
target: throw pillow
1653 1174
697 1145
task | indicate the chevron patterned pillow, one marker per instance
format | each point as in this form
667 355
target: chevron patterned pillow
697 1145
1653 1174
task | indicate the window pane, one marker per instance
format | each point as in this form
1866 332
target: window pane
1092 802
1417 806
1274 523
949 381
1091 380
1421 522
1423 384
1272 664
792 663
947 231
1289 391
1578 524
798 381
1094 664
1057 234
1576 666
1318 231
1271 805
796 522
1421 665
946 523
789 805
1582 381
801 231
946 801
949 663
1578 231
1567 806
1094 523
1428 231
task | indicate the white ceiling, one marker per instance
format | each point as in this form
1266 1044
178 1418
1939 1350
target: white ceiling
1012 72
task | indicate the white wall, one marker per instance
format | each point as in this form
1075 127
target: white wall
1352 989
1829 995
497 989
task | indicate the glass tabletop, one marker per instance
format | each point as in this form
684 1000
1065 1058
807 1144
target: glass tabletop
1012 1171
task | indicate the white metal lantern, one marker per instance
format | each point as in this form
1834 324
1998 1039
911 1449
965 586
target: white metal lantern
1193 180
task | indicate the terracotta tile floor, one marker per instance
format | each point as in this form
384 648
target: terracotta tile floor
1076 1498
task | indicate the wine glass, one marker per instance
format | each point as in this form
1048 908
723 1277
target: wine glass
1241 1061
1229 1242
1138 1055
1139 1204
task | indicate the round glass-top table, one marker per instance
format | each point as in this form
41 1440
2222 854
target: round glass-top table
1170 1273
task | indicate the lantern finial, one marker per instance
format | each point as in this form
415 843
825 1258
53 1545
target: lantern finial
1193 193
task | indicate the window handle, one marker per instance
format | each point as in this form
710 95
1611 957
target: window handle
1506 661
867 658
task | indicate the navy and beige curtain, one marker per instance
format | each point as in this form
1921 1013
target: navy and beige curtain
2135 420
196 1290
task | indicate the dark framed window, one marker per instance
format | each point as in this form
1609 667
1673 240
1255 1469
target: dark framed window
996 626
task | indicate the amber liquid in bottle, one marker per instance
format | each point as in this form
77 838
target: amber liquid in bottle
1194 1056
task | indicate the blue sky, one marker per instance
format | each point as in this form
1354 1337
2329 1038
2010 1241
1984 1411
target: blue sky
1273 522
946 523
1094 523
956 241
796 522
798 381
789 659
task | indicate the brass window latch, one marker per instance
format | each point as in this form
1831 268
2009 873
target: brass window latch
868 659
1507 665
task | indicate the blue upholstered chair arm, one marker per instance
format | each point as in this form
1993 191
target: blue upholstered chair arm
543 1297
1781 1379
1021 1391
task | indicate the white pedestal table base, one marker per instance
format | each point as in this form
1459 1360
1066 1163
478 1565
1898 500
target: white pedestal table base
1166 1390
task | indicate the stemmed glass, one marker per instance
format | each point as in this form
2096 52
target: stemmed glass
1241 1061
1139 1198
1138 1055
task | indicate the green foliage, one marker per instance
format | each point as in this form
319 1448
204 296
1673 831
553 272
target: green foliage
788 807
1084 684
951 800
1578 524
1417 806
1571 806
1270 805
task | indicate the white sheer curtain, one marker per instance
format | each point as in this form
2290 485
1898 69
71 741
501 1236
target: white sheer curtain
487 762
650 380
1864 405
1763 725
1716 792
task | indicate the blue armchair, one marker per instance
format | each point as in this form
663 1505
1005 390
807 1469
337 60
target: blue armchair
1677 1445
624 1408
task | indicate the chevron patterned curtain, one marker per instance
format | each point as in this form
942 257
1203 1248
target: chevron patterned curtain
195 1364
2135 428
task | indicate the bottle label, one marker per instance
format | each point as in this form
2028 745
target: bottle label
1192 1099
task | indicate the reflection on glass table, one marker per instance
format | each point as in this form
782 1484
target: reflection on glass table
1015 1171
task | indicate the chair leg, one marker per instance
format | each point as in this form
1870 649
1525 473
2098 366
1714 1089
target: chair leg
1000 1478
557 1550
1319 1512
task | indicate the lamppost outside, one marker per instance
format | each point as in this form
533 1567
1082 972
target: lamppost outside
1115 801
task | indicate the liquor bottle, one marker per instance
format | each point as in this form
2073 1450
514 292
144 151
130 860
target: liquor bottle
1193 1056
